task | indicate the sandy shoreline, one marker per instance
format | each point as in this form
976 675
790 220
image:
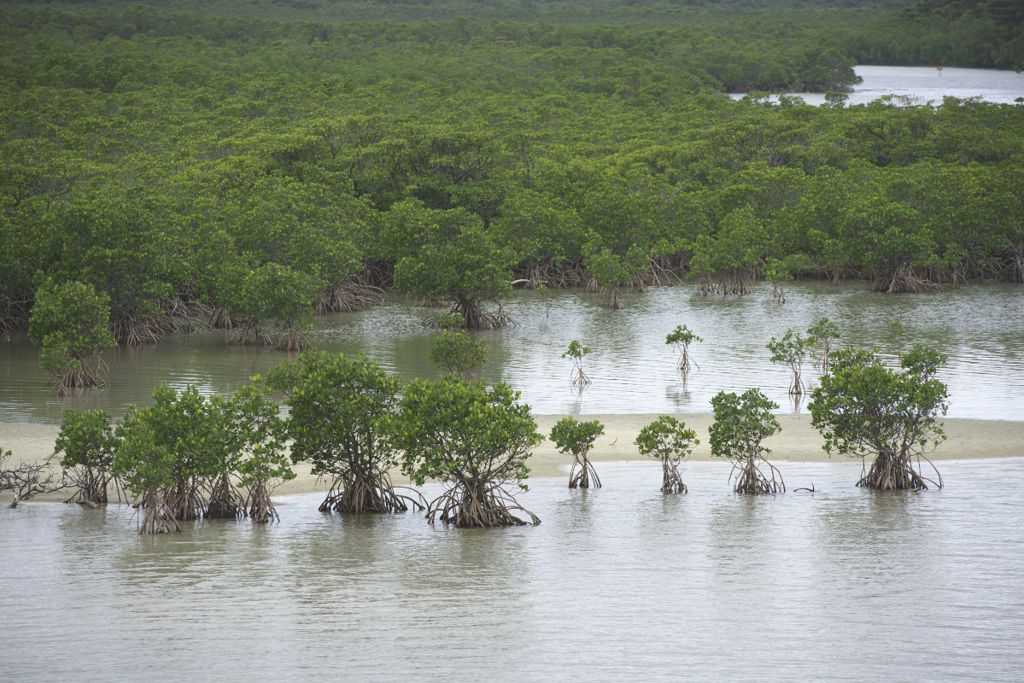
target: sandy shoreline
798 442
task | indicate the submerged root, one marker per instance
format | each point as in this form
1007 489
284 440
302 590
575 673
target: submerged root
750 479
582 472
475 317
371 494
612 299
291 338
897 474
705 285
737 282
251 333
68 378
488 505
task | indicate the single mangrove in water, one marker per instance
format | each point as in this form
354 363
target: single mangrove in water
338 409
473 439
575 437
85 448
741 424
822 335
681 338
791 351
576 352
71 322
668 440
864 409
454 353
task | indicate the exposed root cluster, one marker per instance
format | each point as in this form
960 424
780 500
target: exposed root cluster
671 480
582 472
87 375
368 494
750 479
899 281
352 295
131 330
890 473
489 505
225 500
91 485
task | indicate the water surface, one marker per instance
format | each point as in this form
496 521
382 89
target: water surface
623 583
980 328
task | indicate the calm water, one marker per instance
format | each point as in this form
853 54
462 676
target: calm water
623 583
928 84
981 328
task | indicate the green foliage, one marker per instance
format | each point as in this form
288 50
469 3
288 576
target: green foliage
681 338
458 261
338 410
454 353
177 161
278 296
171 452
668 440
791 351
865 409
741 424
88 443
259 458
575 437
70 321
474 439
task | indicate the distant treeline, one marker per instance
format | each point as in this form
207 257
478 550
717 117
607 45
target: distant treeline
180 162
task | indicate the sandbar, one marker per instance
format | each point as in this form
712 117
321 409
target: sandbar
797 442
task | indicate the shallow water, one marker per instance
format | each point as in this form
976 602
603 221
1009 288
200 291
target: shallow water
981 328
623 583
924 84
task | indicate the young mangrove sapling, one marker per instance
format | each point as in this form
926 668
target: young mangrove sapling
454 353
573 436
791 350
681 338
576 352
668 440
822 335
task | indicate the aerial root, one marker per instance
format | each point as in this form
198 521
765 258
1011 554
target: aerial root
750 479
374 494
899 281
258 505
671 481
487 506
896 474
352 295
582 472
154 515
225 501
